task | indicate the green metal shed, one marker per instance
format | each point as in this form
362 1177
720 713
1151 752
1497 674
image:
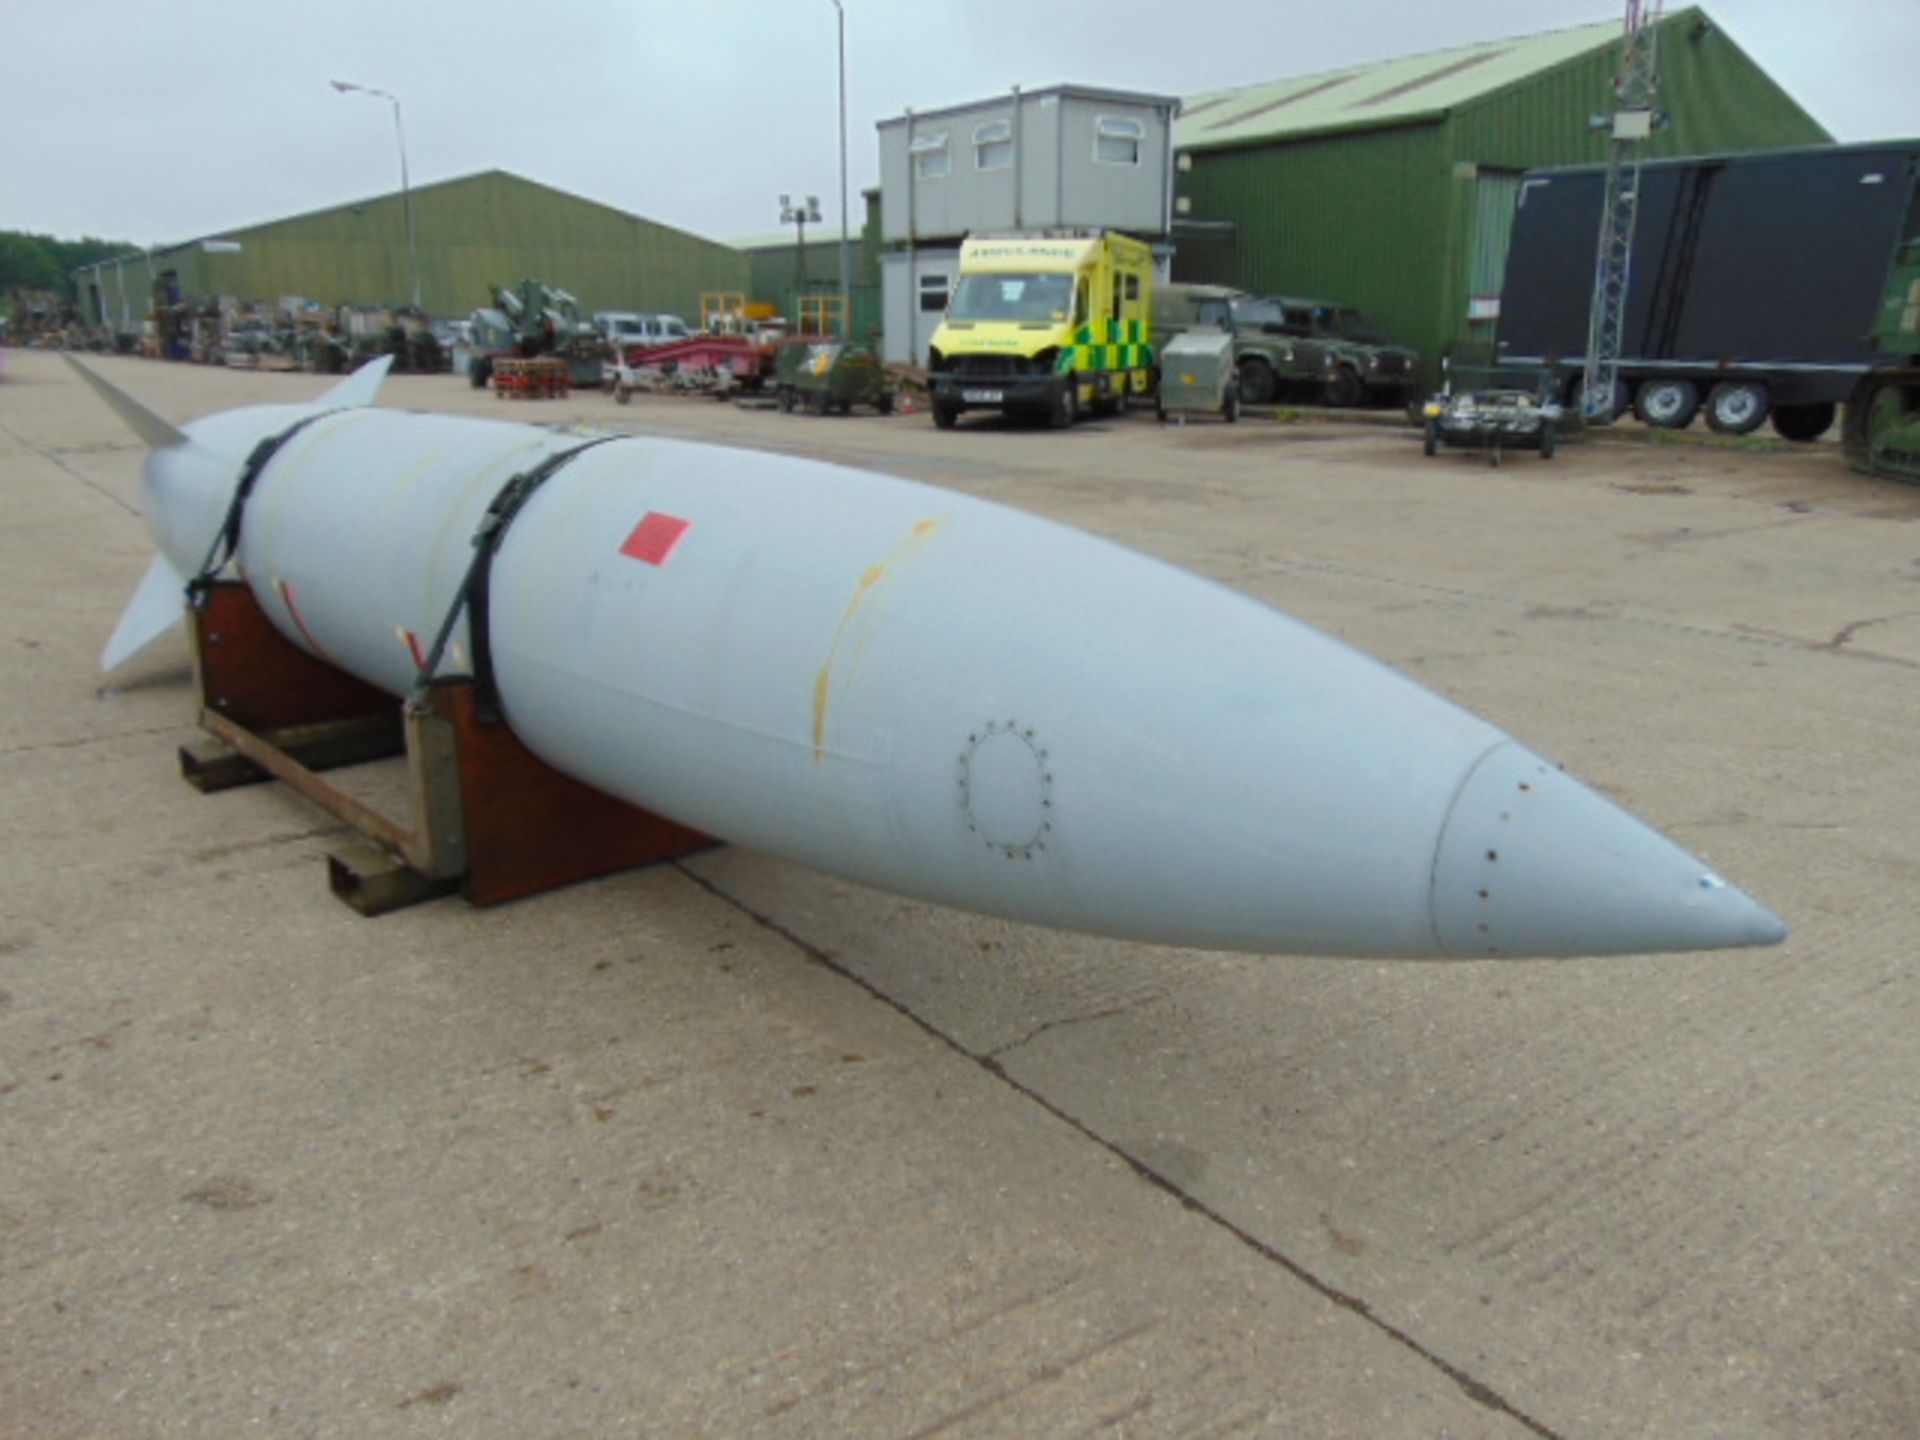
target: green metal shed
1392 186
493 228
781 269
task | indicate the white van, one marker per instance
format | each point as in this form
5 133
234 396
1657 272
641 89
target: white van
629 331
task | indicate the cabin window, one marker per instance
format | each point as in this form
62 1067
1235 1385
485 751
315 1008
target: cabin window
1116 141
930 158
993 146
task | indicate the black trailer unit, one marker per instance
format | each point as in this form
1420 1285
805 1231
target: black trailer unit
1754 281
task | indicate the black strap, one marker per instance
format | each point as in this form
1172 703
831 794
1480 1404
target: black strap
473 596
226 541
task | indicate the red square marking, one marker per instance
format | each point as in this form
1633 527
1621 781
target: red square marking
655 537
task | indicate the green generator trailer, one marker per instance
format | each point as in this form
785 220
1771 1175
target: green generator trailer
821 376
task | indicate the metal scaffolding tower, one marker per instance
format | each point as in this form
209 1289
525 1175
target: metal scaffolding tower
1631 122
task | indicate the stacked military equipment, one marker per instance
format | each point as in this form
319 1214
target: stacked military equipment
534 321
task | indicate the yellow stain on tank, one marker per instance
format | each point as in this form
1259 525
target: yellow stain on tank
870 579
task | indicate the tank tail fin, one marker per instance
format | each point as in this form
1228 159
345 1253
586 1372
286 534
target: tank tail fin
157 433
156 607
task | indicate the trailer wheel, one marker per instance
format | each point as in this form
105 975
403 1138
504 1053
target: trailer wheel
1803 423
1343 389
1231 410
1667 404
1577 398
1257 383
1737 407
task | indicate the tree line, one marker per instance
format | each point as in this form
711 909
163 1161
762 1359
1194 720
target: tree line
40 262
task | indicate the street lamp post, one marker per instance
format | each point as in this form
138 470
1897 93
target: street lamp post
406 189
846 283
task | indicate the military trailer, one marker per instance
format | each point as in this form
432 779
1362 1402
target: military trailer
824 376
1197 376
1494 411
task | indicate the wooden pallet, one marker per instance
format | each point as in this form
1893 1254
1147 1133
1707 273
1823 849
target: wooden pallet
541 379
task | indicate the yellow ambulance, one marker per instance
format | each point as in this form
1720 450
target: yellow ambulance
1052 324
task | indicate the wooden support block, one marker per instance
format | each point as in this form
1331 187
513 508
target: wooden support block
258 679
529 828
488 816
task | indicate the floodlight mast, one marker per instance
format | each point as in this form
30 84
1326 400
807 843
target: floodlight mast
799 215
1631 121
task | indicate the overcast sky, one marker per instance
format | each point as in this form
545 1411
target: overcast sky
163 120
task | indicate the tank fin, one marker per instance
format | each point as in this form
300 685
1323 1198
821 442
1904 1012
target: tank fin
360 388
157 433
156 607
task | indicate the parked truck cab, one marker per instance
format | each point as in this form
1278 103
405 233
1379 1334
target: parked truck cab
1045 324
1179 307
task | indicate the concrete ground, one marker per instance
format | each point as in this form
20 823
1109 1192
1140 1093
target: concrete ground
729 1148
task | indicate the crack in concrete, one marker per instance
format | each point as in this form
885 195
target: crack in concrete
1474 1389
41 746
1066 1020
1838 645
53 458
1599 610
212 853
1844 636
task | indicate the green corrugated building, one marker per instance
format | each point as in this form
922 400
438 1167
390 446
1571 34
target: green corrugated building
493 228
781 269
1392 186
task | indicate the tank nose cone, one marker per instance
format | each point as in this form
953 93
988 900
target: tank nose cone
1532 862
